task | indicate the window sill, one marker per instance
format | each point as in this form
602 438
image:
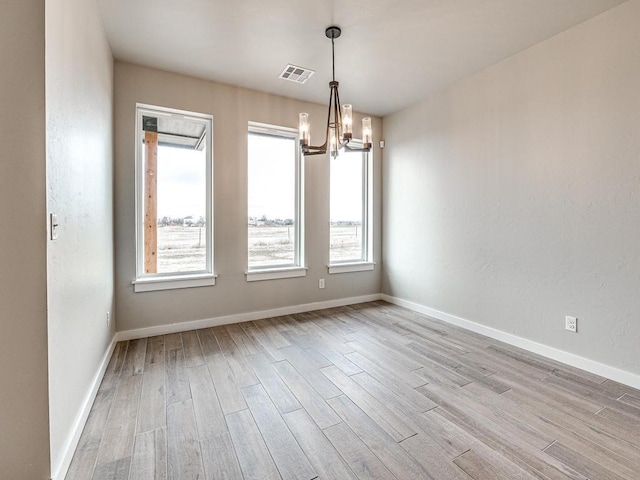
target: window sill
351 267
275 273
173 282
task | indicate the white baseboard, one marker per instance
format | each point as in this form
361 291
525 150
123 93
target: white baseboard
613 373
607 371
241 317
60 471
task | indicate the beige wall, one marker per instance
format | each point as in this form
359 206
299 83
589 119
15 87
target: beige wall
512 198
231 108
79 97
24 428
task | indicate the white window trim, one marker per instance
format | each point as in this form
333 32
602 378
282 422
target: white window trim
366 262
351 267
275 273
297 269
150 282
174 282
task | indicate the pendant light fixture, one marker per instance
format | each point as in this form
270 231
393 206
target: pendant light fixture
339 119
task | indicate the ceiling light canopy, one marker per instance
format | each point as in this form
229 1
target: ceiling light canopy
339 119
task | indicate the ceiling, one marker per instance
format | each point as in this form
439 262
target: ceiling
392 53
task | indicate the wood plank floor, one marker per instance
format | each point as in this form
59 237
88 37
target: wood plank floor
371 391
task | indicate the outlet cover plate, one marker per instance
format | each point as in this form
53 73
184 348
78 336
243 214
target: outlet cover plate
571 324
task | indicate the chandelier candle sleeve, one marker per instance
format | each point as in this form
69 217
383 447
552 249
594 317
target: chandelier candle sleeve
304 129
347 121
333 143
366 132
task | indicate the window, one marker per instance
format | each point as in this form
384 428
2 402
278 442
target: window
350 214
174 230
274 186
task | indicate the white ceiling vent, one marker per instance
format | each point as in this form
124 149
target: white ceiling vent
296 74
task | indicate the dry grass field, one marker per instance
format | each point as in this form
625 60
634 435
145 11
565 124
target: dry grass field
182 249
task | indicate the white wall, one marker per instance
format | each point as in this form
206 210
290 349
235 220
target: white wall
24 429
232 108
512 198
79 96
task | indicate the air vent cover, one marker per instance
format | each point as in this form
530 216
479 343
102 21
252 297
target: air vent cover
296 74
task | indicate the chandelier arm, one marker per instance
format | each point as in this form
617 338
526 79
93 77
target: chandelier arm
346 146
314 149
338 118
327 136
318 149
315 152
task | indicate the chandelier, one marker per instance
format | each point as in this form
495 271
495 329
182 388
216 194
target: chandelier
339 119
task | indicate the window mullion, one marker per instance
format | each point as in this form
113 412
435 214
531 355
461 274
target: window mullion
365 204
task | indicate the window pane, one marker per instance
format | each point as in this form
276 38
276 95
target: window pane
271 200
174 192
182 211
346 227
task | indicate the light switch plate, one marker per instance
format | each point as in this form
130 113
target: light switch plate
53 226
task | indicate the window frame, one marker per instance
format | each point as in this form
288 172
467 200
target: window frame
145 282
297 268
365 262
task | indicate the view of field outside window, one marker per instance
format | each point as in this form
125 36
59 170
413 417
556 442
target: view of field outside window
347 209
271 200
181 205
182 196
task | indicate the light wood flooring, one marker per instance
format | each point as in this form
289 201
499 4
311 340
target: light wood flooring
371 391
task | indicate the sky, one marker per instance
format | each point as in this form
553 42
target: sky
182 189
346 187
271 176
271 187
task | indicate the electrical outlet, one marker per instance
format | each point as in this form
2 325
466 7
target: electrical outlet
108 319
321 283
571 324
